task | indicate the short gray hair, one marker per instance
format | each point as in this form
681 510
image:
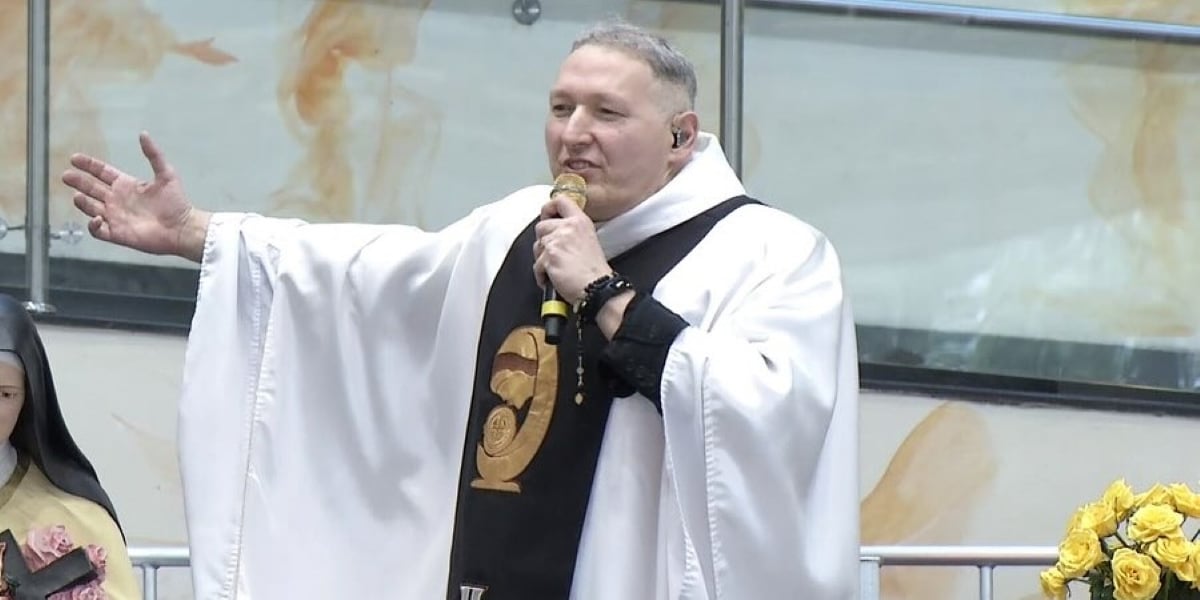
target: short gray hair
668 64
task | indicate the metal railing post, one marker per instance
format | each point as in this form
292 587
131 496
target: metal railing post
37 157
150 582
732 44
868 578
985 582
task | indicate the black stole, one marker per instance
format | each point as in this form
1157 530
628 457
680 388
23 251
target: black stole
532 444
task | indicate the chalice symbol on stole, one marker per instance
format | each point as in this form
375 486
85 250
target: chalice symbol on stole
524 372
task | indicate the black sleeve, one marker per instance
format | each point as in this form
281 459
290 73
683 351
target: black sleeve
634 359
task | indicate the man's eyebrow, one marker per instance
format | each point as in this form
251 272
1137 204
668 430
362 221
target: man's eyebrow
597 97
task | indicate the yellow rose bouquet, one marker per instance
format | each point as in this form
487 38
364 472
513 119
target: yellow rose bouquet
1130 546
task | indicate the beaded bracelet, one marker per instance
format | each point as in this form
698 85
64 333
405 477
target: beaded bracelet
595 296
599 292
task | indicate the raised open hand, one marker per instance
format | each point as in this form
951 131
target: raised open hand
151 216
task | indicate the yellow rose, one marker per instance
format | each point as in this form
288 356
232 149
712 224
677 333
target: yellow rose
1119 497
1097 517
1186 572
1175 553
1194 566
1155 521
1135 575
1079 552
1185 501
1054 585
1157 494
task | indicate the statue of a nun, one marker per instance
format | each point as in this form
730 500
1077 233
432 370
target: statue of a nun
60 538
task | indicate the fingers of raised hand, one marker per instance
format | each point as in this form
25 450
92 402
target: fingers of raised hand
95 167
98 228
87 184
158 160
88 205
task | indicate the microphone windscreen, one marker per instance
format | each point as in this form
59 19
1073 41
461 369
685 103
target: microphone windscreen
573 186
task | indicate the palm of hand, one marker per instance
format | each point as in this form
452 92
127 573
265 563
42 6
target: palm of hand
149 216
143 214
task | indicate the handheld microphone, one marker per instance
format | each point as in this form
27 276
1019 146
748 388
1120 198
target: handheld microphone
554 308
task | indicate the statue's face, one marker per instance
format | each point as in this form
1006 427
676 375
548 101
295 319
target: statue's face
12 398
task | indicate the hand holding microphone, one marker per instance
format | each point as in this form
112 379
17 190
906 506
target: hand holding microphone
567 255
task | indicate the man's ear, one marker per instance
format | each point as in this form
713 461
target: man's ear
684 129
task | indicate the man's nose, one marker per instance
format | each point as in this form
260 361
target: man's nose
579 127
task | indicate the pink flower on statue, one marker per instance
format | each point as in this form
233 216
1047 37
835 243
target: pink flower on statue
99 559
91 591
44 546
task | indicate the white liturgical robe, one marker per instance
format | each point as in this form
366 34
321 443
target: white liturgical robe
329 375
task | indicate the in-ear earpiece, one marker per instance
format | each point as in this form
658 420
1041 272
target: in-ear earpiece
677 138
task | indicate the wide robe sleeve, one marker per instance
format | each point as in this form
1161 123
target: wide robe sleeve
311 417
759 403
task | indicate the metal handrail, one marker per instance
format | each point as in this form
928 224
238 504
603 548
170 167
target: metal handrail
149 559
986 558
871 560
961 556
982 16
159 556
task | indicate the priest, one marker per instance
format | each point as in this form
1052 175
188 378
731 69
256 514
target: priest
638 383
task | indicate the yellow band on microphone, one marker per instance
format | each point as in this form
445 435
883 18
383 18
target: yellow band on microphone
554 307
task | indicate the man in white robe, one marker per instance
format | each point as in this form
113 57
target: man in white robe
326 423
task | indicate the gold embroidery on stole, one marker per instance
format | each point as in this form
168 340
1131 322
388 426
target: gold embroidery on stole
525 370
